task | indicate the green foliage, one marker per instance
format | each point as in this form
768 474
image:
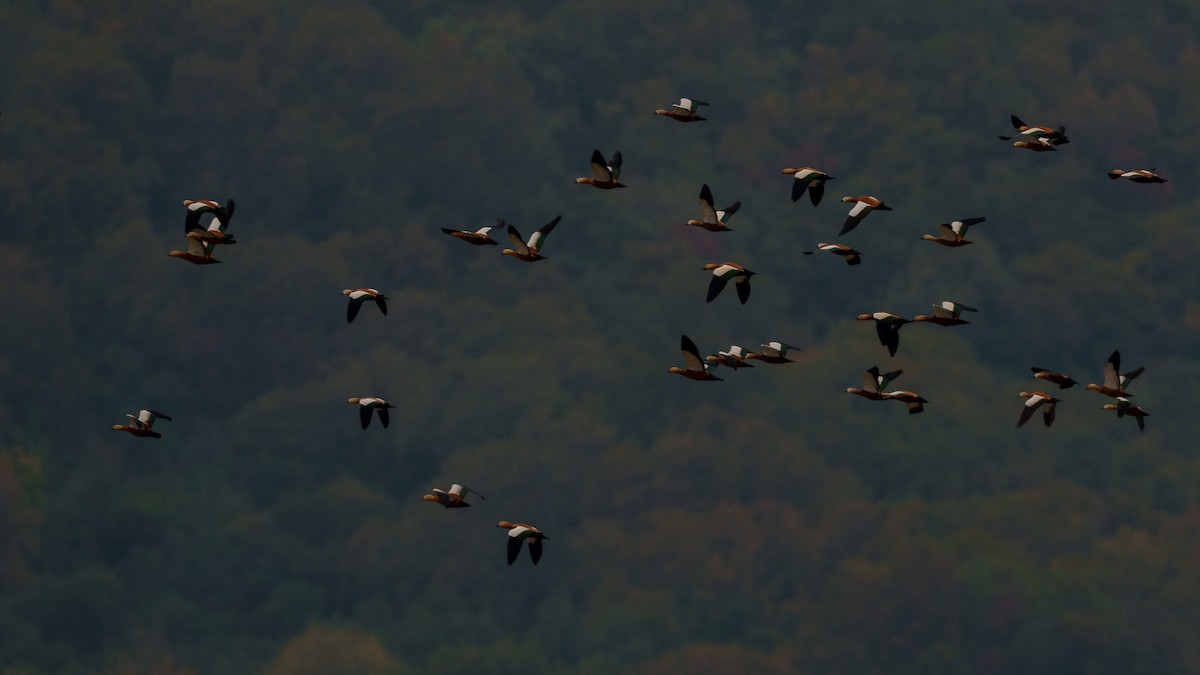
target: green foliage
334 650
769 521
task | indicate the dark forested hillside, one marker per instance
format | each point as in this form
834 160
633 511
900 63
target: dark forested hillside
768 521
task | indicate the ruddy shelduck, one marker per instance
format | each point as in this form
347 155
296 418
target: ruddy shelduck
808 179
722 273
1040 134
519 532
1137 175
215 232
954 233
772 352
367 405
454 498
529 251
142 424
604 174
1062 380
887 326
696 369
862 206
712 219
357 296
946 313
1035 400
851 256
1036 145
199 252
1124 407
1115 383
912 400
684 111
733 359
480 237
874 383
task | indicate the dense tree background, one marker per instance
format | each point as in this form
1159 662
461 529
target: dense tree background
766 522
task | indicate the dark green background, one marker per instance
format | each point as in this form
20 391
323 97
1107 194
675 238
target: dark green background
770 521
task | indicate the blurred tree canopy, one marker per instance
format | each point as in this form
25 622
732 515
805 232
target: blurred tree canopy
765 522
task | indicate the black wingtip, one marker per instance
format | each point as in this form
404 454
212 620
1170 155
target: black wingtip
686 344
817 190
743 290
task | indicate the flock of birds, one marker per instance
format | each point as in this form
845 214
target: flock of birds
887 325
203 239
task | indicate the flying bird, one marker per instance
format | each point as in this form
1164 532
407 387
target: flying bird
215 232
887 326
722 273
874 383
143 424
733 359
369 404
519 532
954 233
1114 383
1036 145
1060 379
862 206
1137 175
915 403
1035 400
772 352
452 499
1124 407
479 237
357 296
696 368
710 218
848 254
1038 133
946 313
529 251
808 179
684 111
198 252
604 174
